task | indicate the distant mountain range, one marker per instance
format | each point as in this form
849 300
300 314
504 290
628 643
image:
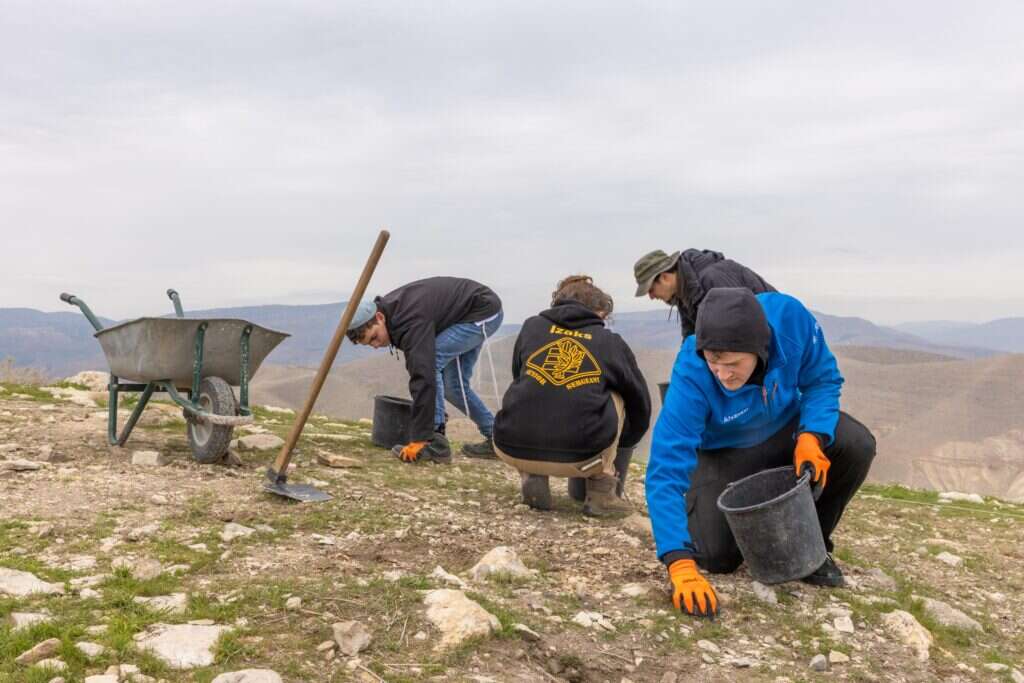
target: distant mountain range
61 343
1005 334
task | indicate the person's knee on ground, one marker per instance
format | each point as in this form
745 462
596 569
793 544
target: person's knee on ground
536 490
725 561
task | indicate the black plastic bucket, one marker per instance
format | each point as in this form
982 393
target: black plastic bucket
773 519
663 389
391 418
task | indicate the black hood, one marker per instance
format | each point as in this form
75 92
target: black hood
571 315
732 319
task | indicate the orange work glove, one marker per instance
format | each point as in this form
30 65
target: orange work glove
691 592
412 451
808 452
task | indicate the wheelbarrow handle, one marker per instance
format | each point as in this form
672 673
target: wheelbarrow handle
89 315
172 294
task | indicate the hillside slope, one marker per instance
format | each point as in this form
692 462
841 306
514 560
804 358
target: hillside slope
930 413
285 582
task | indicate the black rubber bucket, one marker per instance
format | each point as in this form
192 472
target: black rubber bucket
773 519
663 389
391 418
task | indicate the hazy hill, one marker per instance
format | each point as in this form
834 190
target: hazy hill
58 343
941 422
1005 334
61 343
654 329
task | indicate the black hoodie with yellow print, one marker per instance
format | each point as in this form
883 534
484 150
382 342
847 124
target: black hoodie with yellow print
564 367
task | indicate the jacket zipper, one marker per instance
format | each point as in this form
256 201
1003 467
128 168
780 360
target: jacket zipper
764 396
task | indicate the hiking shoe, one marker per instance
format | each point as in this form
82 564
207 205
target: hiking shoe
483 450
601 498
828 574
536 491
578 486
436 451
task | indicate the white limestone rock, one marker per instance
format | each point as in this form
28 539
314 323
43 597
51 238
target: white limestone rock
249 676
457 617
905 627
19 584
182 646
501 561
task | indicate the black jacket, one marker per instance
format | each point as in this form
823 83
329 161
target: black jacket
701 270
564 367
414 315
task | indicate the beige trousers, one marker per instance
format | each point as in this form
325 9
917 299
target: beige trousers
596 465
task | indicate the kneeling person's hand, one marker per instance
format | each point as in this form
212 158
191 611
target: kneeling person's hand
808 452
691 592
412 451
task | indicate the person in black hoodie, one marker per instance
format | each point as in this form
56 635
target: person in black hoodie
441 324
576 396
682 279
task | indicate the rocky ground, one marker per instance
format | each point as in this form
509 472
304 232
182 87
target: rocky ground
136 564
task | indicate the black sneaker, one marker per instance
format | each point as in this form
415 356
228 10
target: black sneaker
536 491
828 575
483 450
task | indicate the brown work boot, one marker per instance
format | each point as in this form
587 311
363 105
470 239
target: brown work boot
601 498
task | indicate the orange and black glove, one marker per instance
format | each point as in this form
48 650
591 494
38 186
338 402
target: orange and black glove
411 452
691 592
808 453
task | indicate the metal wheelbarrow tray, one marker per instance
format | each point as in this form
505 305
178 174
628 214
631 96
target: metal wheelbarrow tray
201 358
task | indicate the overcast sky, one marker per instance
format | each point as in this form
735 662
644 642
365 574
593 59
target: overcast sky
865 157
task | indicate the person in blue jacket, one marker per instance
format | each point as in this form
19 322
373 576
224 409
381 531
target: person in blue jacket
755 388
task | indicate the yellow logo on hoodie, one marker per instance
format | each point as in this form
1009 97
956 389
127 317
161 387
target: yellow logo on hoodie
564 362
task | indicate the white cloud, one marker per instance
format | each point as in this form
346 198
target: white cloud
253 150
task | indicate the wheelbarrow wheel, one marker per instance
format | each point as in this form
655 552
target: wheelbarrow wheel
209 442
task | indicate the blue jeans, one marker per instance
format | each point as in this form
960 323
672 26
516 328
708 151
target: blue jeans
458 348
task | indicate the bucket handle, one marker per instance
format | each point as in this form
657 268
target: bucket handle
807 473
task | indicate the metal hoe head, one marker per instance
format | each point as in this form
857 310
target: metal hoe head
304 493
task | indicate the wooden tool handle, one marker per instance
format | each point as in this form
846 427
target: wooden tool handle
280 465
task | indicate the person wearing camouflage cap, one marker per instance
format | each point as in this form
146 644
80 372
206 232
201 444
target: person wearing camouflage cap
681 279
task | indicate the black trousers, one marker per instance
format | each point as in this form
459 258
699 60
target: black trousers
850 455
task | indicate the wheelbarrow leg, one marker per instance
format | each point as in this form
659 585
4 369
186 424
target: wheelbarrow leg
112 435
243 387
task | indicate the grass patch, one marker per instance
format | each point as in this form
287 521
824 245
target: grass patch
63 384
232 648
122 587
898 492
29 392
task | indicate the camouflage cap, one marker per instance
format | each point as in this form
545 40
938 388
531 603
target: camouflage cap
651 266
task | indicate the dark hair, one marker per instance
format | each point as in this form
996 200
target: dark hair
355 334
582 290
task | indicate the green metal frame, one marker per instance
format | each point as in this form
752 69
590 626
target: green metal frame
189 403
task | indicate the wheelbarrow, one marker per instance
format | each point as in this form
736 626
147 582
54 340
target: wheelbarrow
195 361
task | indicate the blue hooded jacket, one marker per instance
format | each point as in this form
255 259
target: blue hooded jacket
801 379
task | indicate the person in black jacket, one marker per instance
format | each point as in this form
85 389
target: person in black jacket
441 324
682 279
576 396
